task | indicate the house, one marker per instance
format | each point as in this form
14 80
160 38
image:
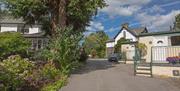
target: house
127 33
160 45
31 32
153 40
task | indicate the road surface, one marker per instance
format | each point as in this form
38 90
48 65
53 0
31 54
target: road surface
100 75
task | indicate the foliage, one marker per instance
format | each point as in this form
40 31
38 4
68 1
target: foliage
95 43
142 48
13 72
177 22
12 43
83 56
64 50
49 71
43 74
61 13
55 86
119 44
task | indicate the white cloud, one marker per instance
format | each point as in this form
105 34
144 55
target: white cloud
155 9
95 26
157 22
113 29
123 7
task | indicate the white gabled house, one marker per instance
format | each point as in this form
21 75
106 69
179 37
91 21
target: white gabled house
31 32
125 32
150 39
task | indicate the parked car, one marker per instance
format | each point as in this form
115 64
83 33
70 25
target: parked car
115 57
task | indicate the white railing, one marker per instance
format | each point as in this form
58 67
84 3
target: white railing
161 53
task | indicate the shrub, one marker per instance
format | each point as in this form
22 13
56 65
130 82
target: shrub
119 44
55 86
41 76
49 71
64 49
142 48
13 72
12 43
83 56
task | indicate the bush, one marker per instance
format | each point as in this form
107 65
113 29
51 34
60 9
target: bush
43 74
83 56
49 71
12 43
55 86
64 49
13 72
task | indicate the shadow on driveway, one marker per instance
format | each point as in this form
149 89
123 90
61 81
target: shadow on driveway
94 65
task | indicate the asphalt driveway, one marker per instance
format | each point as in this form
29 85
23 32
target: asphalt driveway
100 75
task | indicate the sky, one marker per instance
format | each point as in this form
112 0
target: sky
155 15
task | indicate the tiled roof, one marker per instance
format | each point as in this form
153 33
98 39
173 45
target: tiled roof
10 19
161 33
134 31
138 31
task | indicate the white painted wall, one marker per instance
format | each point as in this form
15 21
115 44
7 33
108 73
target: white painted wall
110 44
164 39
33 30
128 36
8 29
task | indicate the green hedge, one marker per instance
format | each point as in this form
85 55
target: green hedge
12 43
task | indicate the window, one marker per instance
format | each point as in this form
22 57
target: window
160 42
39 44
26 30
175 40
124 34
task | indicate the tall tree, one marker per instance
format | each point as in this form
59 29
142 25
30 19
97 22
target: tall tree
61 13
177 22
95 43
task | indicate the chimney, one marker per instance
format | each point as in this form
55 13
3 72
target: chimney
125 25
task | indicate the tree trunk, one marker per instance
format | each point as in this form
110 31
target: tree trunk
58 15
62 17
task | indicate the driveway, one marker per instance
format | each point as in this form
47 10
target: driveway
100 75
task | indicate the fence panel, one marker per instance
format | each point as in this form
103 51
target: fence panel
160 54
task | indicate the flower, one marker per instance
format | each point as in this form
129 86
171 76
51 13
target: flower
173 60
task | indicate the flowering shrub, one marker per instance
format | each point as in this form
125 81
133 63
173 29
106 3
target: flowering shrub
13 71
173 60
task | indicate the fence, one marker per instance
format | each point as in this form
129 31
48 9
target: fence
160 54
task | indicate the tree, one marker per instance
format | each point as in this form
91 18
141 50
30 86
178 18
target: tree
142 48
61 13
119 43
177 22
95 43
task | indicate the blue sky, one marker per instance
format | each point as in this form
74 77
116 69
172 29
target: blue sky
156 15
